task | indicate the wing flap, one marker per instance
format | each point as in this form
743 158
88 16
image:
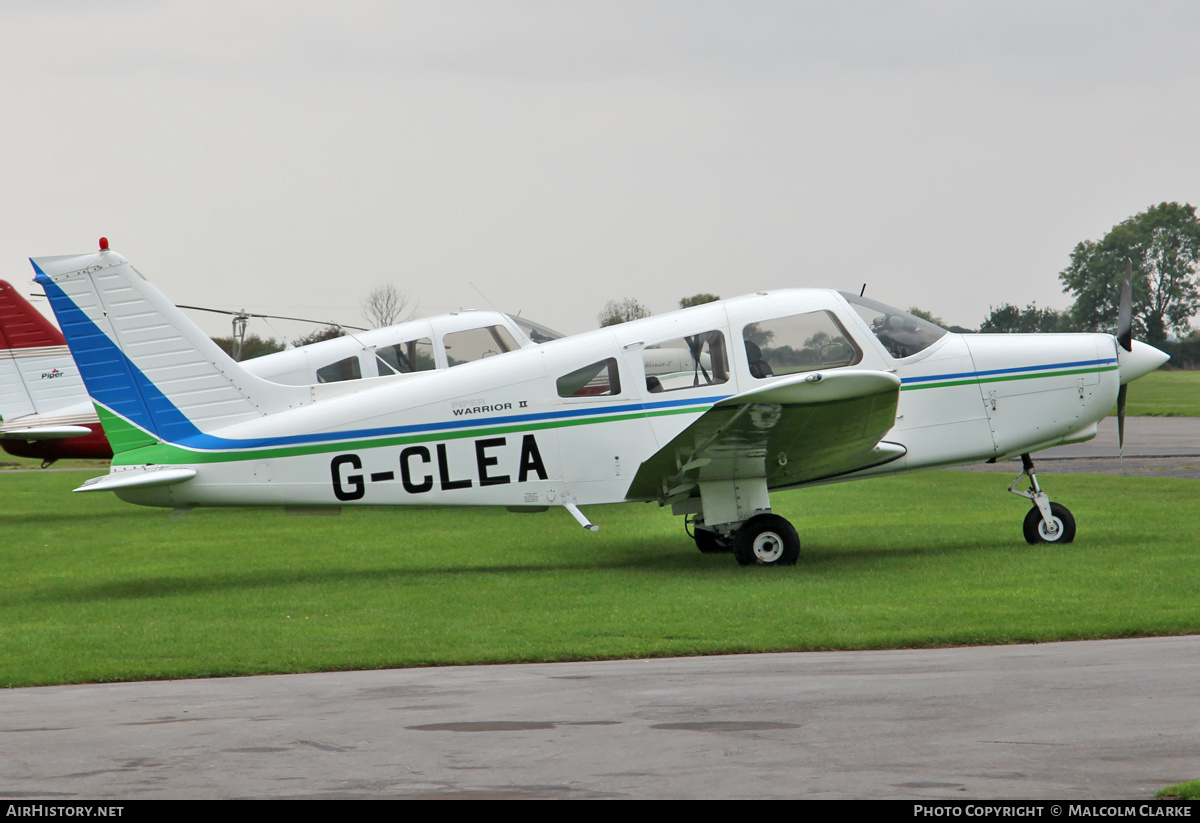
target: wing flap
791 431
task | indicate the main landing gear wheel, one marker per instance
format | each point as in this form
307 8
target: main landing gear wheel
1060 529
766 540
711 542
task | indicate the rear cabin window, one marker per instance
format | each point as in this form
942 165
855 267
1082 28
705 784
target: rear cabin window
410 356
799 343
347 369
689 362
594 380
476 344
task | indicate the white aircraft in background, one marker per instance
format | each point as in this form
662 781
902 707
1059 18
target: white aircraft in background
705 410
45 411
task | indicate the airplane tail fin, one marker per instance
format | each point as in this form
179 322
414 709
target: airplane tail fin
37 374
153 375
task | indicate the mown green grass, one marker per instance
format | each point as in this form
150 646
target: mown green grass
92 589
1181 791
1165 394
10 462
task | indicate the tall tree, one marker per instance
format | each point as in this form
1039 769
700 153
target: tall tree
386 305
698 300
1163 243
621 311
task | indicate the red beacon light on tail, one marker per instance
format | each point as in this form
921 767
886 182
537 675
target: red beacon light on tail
103 244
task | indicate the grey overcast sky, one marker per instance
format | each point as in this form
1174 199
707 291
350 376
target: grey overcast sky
288 156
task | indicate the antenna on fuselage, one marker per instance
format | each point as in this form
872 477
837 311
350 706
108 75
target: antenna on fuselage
863 290
485 297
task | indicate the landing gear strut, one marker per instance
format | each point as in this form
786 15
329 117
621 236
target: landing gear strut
707 540
1046 522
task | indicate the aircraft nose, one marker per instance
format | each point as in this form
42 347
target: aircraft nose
1139 362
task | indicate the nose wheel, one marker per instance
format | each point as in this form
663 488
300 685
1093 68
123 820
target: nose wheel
1060 528
1046 522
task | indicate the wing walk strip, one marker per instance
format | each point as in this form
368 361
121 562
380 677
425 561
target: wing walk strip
938 381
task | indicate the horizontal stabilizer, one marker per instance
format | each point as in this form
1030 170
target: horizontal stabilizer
137 478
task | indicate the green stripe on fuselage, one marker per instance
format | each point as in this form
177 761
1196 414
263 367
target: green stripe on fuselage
1004 378
166 453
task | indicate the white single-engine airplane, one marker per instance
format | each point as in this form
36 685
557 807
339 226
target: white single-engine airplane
45 411
707 410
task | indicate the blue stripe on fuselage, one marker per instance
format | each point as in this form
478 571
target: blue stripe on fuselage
1016 370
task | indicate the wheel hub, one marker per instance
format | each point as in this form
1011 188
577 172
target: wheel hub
768 547
1051 530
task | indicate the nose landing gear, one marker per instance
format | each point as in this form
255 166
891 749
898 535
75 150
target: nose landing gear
1046 522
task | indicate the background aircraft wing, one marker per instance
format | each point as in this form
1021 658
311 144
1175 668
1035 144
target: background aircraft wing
794 430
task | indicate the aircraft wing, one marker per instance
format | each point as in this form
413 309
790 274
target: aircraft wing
794 430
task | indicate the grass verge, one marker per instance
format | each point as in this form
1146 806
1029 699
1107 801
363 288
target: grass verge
1165 394
92 589
1181 791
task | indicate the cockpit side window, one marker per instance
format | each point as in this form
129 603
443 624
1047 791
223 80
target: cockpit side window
798 343
347 369
901 333
692 361
476 344
600 379
409 356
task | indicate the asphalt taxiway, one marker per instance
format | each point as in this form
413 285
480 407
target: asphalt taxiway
1099 720
1094 720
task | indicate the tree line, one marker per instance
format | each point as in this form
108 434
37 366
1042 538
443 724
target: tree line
1163 245
385 305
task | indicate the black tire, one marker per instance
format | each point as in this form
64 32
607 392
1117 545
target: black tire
766 540
711 542
1035 527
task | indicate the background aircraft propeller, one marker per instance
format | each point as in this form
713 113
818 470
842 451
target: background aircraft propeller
240 318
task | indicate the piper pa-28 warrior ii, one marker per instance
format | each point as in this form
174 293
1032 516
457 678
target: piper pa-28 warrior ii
706 410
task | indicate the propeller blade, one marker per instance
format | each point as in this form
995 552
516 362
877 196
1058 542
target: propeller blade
1121 418
1125 314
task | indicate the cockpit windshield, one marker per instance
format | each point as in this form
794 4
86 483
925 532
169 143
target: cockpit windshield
536 331
901 333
